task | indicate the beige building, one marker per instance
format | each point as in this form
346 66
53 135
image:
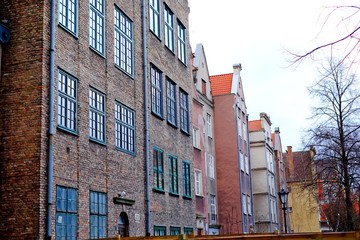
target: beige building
303 205
263 170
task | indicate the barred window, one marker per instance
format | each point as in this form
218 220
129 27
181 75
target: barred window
97 215
184 111
66 213
171 102
97 115
67 102
124 128
181 43
68 14
96 25
154 11
169 28
123 42
156 91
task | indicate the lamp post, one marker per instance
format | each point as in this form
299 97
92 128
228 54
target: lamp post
283 195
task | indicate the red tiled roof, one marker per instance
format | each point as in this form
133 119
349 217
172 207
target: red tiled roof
254 125
221 84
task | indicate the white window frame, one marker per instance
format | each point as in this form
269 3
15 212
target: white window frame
249 205
198 183
247 167
242 162
209 125
196 138
211 166
244 204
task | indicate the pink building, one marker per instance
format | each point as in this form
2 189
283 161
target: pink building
235 203
204 147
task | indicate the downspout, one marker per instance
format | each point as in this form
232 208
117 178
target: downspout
51 120
239 151
146 125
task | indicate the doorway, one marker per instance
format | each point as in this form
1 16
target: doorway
123 225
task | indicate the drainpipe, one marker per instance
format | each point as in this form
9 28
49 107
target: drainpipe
51 120
146 127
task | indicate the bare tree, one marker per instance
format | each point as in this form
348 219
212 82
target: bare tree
335 133
349 43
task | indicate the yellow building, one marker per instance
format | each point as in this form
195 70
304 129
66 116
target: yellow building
303 205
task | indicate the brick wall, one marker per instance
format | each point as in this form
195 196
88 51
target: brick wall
22 103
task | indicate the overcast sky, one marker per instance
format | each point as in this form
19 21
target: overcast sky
258 34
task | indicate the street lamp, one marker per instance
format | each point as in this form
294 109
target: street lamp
283 195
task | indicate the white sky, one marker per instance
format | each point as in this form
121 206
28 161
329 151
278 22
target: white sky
256 34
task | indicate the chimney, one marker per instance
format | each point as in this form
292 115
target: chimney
237 68
290 161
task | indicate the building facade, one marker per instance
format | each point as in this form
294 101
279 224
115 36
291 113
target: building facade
233 175
204 147
264 175
303 199
95 131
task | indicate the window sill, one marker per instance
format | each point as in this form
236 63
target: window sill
162 191
97 141
187 197
173 194
65 130
157 115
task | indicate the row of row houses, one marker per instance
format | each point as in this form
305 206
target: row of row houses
111 125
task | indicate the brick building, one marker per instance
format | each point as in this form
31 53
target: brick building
233 166
82 154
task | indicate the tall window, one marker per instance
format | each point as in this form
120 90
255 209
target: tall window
245 132
198 183
156 91
123 42
184 111
211 166
171 102
181 43
159 231
244 204
97 215
97 115
68 14
66 213
212 209
186 179
209 124
203 86
173 175
67 102
154 11
247 167
169 28
96 25
175 231
196 138
242 161
158 169
124 128
249 205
